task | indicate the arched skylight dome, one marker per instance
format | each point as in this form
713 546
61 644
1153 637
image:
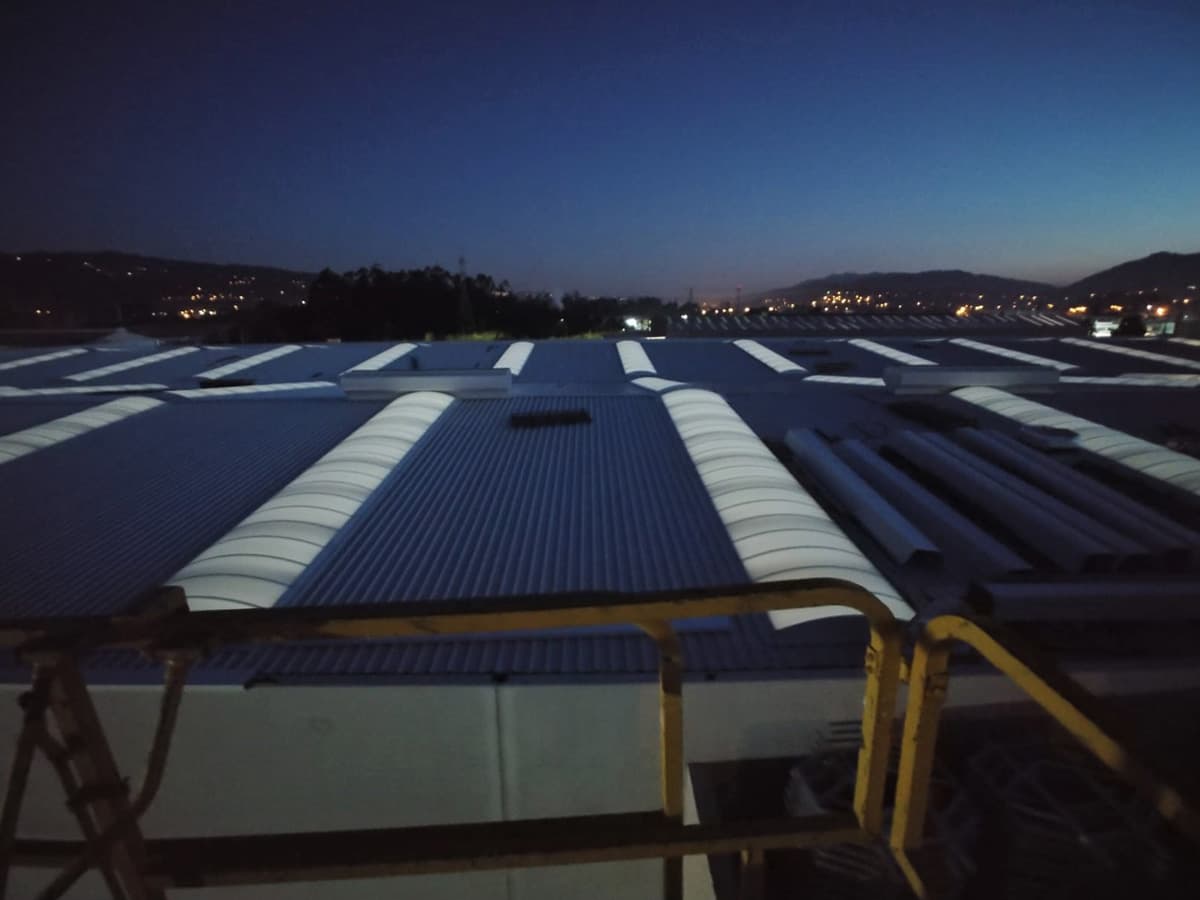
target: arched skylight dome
906 359
20 443
634 359
1142 456
515 357
778 529
768 357
255 563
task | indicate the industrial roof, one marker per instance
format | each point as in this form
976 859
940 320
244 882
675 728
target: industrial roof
735 459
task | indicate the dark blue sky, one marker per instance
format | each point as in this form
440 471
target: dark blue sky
575 146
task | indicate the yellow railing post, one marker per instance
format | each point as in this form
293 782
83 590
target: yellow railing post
671 758
1048 687
882 668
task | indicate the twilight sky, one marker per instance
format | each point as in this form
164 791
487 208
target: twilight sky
573 145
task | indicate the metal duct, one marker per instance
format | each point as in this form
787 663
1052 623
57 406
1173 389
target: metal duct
1148 459
1068 546
950 528
1102 503
902 540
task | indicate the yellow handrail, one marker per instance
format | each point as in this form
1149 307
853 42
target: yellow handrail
1043 683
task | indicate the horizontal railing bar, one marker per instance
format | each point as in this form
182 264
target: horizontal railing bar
416 619
331 855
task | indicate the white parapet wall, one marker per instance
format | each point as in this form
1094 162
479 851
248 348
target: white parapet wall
284 758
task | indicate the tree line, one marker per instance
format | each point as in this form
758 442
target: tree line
376 304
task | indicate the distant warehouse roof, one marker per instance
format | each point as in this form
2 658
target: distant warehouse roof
246 475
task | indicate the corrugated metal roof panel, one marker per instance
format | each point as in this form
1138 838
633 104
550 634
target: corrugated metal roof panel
483 509
17 360
56 370
573 362
749 645
706 362
132 502
25 412
458 354
311 362
179 370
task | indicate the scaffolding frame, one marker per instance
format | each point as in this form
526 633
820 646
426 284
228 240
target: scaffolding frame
137 868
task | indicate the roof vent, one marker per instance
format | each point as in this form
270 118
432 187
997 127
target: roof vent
550 419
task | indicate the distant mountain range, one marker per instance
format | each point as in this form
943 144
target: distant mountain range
81 287
1170 273
89 287
936 284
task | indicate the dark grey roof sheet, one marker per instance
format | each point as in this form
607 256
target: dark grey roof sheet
480 508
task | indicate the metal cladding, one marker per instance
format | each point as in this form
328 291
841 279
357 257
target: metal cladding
768 357
383 359
780 532
634 359
254 564
1151 460
16 445
248 362
515 357
907 359
1009 353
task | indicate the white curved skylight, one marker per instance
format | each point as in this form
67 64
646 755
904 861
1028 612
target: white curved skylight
41 358
658 385
634 359
135 363
249 362
233 390
256 562
1009 353
1145 379
1165 358
1150 459
515 357
6 391
907 359
768 357
38 437
863 380
384 358
779 531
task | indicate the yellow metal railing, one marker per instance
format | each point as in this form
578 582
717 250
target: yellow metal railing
134 866
113 840
1043 683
